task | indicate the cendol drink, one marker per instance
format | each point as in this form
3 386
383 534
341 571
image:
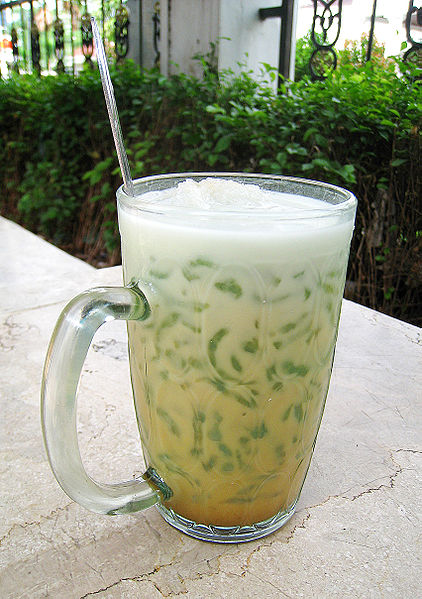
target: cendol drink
231 369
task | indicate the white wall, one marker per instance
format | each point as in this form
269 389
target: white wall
188 27
252 41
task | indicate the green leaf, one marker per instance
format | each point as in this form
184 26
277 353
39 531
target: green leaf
214 109
223 143
387 122
398 162
213 158
296 149
309 133
106 189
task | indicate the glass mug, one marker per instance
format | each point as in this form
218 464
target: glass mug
232 317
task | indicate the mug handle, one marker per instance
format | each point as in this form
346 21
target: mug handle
66 354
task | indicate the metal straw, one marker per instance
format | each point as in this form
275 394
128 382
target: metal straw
113 115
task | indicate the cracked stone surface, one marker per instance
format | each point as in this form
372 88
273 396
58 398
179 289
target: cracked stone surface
357 528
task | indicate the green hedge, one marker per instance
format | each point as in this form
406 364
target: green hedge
360 129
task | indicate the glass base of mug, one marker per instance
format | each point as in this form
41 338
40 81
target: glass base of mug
226 534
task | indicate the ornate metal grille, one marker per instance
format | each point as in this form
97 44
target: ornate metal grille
87 37
35 44
326 25
414 53
156 38
59 43
121 31
14 36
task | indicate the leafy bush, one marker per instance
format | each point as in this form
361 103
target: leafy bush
355 52
360 128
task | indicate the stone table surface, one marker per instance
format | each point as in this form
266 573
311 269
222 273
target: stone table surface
357 529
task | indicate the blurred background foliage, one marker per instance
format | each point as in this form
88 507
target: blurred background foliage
359 128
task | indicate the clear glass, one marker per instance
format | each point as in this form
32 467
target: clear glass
232 323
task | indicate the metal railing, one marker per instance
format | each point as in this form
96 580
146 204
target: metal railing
326 26
43 42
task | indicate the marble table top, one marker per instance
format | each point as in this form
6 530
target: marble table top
357 528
